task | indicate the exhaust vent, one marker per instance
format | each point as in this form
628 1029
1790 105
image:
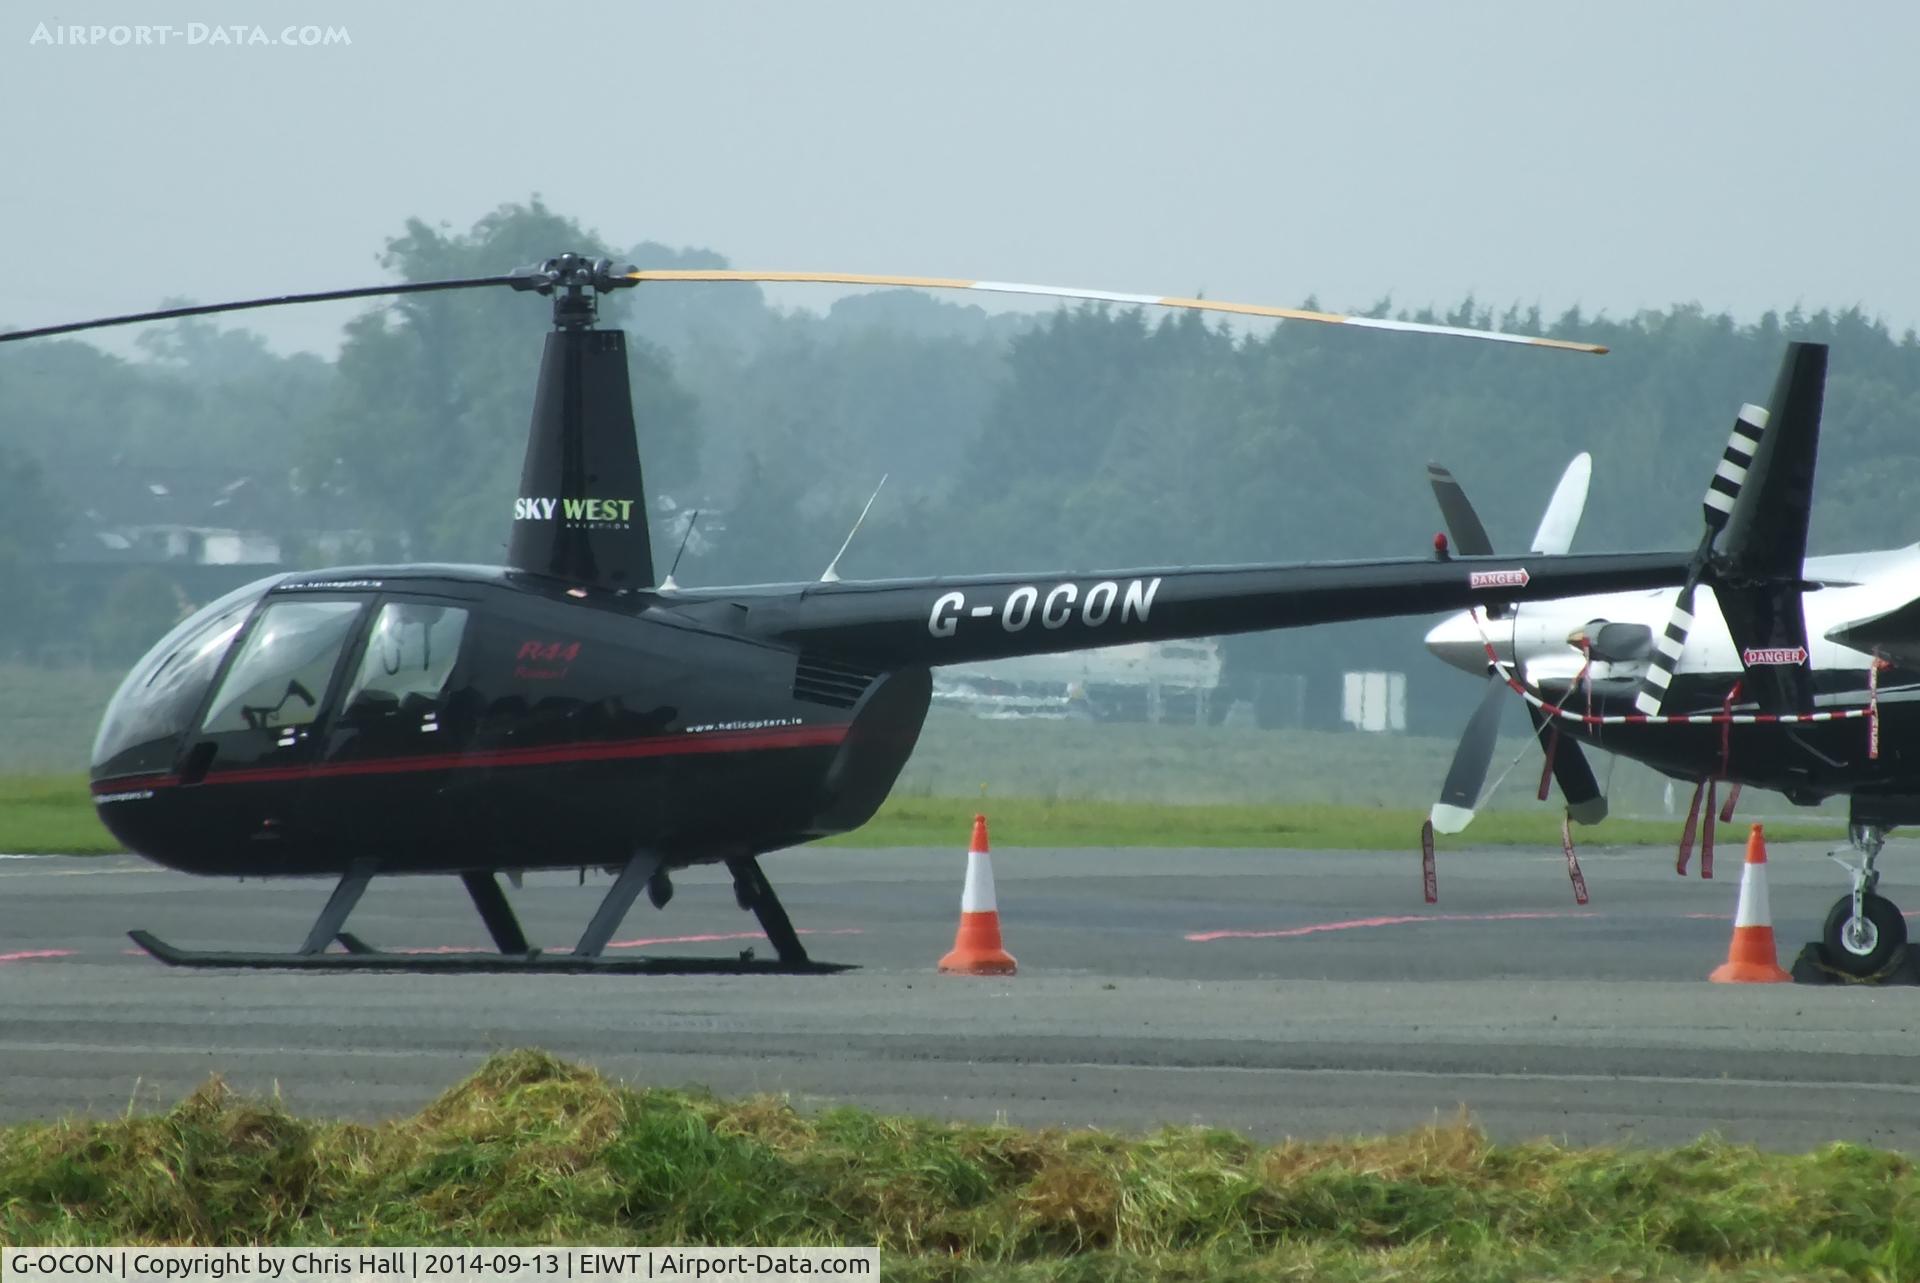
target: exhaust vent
832 682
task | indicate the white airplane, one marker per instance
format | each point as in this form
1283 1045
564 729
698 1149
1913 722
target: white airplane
1792 673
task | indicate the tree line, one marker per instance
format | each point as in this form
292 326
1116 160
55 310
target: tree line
1082 438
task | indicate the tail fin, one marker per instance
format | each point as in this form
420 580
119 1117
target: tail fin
581 515
1760 583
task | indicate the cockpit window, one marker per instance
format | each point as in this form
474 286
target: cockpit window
157 700
409 657
280 675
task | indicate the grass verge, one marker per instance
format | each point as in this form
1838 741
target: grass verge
532 1150
1017 821
53 813
50 813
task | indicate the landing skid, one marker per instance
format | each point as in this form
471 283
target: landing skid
361 956
513 953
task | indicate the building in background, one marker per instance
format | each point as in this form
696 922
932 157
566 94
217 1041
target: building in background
1141 682
1374 701
142 547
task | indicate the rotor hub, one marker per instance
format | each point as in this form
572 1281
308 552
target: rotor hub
575 282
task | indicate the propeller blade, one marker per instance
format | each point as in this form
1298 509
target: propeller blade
1461 792
1109 296
1562 516
208 309
1463 523
1586 804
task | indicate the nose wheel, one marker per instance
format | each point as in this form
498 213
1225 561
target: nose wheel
1864 931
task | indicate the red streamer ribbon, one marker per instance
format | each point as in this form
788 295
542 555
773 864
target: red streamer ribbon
1706 836
1426 863
1686 834
1573 861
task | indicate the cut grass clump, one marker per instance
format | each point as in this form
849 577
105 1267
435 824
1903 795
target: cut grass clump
533 1150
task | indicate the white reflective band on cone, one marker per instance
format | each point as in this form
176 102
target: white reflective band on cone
977 895
1754 910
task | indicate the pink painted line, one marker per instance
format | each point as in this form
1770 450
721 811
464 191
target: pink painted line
725 935
1355 924
440 948
27 955
638 944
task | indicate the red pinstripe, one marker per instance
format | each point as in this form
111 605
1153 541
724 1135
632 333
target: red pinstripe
547 755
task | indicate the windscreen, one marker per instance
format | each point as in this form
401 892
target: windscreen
159 697
280 676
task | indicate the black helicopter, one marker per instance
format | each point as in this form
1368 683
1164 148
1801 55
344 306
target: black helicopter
569 711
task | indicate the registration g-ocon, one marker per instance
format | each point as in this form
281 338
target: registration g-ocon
65 1264
57 1264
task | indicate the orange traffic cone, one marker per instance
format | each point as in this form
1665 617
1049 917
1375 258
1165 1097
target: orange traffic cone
976 947
1751 958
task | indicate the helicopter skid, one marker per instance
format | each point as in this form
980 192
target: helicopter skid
512 953
360 956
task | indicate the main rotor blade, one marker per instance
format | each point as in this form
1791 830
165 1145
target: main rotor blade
1562 516
1586 804
208 309
1463 523
1108 296
1461 792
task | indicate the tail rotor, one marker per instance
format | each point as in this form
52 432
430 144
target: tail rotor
1723 492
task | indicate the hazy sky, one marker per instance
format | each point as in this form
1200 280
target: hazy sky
1618 156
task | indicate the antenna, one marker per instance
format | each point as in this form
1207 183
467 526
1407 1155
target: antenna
667 584
832 575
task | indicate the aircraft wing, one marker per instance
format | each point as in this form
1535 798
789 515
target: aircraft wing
1894 634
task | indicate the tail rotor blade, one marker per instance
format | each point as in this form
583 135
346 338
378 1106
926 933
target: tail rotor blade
1724 489
1666 656
1461 792
1723 492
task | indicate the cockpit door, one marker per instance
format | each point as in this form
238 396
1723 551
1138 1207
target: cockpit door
258 737
392 763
